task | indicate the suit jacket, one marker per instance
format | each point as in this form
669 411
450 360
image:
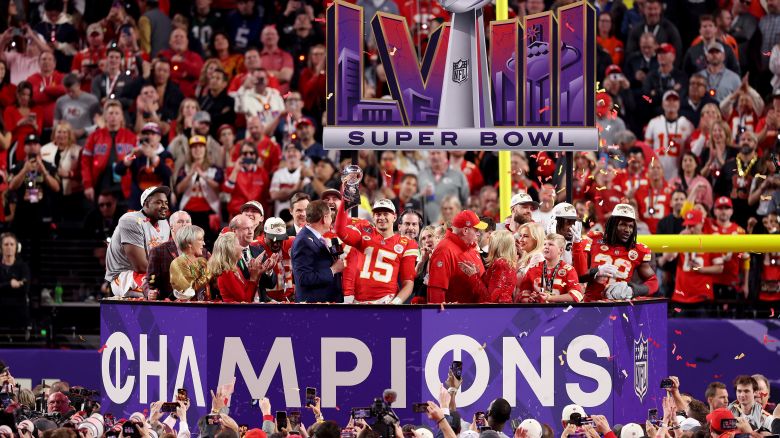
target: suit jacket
158 270
311 261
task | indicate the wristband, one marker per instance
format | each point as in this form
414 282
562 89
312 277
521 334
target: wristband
442 419
268 417
452 390
396 300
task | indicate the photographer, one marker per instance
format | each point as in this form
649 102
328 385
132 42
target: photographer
149 164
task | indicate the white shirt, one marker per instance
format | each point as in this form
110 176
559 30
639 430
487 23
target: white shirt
284 179
658 135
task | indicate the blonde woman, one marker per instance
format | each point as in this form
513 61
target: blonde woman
529 242
190 276
64 153
497 284
223 266
450 207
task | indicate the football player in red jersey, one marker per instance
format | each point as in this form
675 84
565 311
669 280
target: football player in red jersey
727 283
770 268
386 256
614 256
275 241
653 200
696 272
553 280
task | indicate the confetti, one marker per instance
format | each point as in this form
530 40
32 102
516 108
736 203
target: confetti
567 309
677 309
625 374
678 332
568 26
772 314
678 357
392 52
690 365
739 356
547 108
678 292
100 350
612 317
767 340
647 98
560 357
329 96
674 348
625 317
319 20
522 334
766 53
717 376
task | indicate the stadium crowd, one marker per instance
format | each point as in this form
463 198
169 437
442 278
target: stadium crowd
161 130
64 411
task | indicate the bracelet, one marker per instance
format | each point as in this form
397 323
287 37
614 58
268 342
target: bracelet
442 419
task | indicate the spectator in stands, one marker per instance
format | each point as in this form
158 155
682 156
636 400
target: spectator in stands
655 23
27 47
672 223
447 282
298 204
736 176
189 273
168 93
696 98
315 268
35 184
155 28
137 233
728 282
185 64
216 101
255 212
269 152
7 89
438 181
105 148
201 127
198 186
284 127
221 49
742 27
77 108
497 283
86 62
149 165
65 154
606 38
158 285
741 109
14 284
720 80
666 78
667 134
47 87
325 175
111 83
769 25
640 63
58 31
101 221
696 58
244 24
696 272
305 130
289 179
256 98
247 180
20 118
653 200
409 224
147 110
765 192
135 61
276 61
449 208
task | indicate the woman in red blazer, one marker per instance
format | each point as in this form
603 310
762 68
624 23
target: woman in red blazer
497 284
223 264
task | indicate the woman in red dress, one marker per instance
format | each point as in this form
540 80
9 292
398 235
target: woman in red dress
223 265
20 119
497 284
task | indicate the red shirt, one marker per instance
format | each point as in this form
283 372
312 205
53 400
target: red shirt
96 153
473 175
628 183
564 280
690 286
185 72
285 289
385 260
88 57
235 289
731 261
11 117
249 185
276 60
770 278
46 91
267 149
626 260
653 204
445 274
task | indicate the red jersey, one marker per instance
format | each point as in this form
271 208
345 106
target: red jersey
653 204
690 286
770 278
384 259
267 149
731 261
445 274
626 260
564 280
473 176
285 289
251 185
46 91
627 183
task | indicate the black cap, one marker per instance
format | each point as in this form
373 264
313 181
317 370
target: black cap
32 138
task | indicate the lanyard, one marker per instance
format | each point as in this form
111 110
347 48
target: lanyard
110 85
547 282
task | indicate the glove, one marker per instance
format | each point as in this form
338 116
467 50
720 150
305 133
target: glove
619 291
607 270
349 299
576 232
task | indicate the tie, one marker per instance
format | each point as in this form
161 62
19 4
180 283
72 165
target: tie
246 255
324 242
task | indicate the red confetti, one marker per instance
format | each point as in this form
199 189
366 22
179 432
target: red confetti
146 411
767 340
338 408
612 317
568 26
647 98
677 309
100 350
678 357
678 332
772 314
717 376
224 402
547 108
690 365
319 20
766 53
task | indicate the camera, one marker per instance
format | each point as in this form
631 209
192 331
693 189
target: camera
578 420
248 161
361 413
420 408
667 384
336 248
169 407
386 419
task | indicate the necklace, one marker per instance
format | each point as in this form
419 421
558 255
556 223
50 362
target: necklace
742 172
670 137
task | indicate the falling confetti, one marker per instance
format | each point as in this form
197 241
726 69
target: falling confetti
678 332
612 317
717 376
772 313
567 309
647 98
625 374
330 95
522 334
560 357
690 365
625 317
100 350
392 52
739 356
674 348
766 53
678 357
547 108
319 20
568 26
677 309
767 340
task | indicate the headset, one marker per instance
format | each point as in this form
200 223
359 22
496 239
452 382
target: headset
4 236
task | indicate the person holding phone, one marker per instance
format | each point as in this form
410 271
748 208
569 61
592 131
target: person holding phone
20 119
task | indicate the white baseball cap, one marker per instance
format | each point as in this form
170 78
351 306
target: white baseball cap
275 229
570 409
624 210
689 423
532 428
384 204
632 430
152 190
522 198
564 210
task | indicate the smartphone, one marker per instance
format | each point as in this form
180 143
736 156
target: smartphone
130 430
181 394
295 419
169 407
652 417
457 369
667 384
281 419
213 419
348 433
728 424
361 413
587 421
420 408
311 393
479 420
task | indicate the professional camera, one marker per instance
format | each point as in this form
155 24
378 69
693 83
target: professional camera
386 419
83 399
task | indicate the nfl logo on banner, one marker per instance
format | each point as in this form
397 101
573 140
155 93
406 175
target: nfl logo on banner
640 367
533 88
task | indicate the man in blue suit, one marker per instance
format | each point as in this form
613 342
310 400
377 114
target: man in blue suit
316 268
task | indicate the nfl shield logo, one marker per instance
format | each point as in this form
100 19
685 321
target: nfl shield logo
640 367
460 71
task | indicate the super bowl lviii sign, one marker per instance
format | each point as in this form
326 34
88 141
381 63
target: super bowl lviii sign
530 85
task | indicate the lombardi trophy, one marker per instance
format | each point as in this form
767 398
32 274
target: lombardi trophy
465 100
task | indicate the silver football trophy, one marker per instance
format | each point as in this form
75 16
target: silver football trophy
351 176
465 99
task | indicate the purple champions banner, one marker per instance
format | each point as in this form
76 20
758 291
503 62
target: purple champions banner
31 367
606 357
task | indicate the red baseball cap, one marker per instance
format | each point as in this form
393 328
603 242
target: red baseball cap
255 433
693 217
614 68
723 202
468 219
667 48
715 417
